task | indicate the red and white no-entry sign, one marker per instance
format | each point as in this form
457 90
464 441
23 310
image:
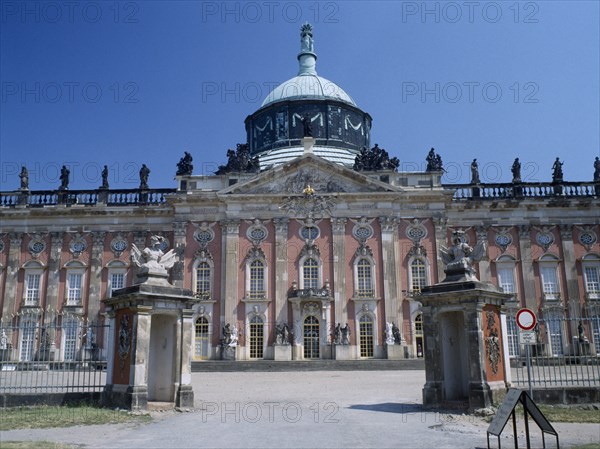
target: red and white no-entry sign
526 319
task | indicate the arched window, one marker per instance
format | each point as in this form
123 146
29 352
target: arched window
310 272
203 277
364 278
311 337
505 268
33 283
28 330
365 336
591 275
549 277
257 279
418 274
70 338
74 287
201 338
117 274
256 337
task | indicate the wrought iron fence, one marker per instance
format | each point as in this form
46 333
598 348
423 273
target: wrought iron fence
567 352
44 351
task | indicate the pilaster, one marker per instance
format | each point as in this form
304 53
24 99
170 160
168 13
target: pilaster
95 275
54 267
527 266
390 269
229 274
281 270
178 270
441 231
339 270
485 274
12 272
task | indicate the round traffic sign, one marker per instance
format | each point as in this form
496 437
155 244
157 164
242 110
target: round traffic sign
526 319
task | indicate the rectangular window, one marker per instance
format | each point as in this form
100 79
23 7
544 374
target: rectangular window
592 281
70 333
549 282
257 280
365 284
203 278
32 289
506 279
513 336
74 282
117 281
418 275
28 330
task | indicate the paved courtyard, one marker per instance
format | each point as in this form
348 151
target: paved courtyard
317 409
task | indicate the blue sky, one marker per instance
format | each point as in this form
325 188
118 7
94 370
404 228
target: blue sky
130 82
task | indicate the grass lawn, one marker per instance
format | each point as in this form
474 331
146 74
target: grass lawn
46 416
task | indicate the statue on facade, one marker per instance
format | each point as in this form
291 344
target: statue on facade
516 171
226 335
282 334
239 160
345 335
337 334
104 175
3 340
460 257
234 339
307 126
475 172
24 176
375 159
389 334
64 178
152 261
184 166
144 173
434 161
557 171
597 169
396 334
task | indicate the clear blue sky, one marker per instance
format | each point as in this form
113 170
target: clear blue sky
121 83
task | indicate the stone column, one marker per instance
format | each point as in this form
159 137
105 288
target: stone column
569 266
140 350
95 276
392 293
485 274
441 230
184 397
338 226
527 267
178 271
54 267
281 270
229 273
12 273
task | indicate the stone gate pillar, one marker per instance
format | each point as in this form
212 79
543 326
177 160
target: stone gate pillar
150 339
464 349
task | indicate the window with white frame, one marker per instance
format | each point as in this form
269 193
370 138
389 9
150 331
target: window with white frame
554 322
201 339
74 287
364 278
257 279
549 277
28 329
513 336
417 274
117 275
505 268
310 273
33 283
203 276
591 276
70 337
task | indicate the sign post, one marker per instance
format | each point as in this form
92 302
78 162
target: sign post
526 320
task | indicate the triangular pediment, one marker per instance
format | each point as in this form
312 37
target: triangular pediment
323 176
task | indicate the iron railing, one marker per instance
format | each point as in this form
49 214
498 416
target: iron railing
50 352
567 352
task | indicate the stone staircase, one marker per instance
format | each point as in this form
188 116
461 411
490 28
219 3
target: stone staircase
307 365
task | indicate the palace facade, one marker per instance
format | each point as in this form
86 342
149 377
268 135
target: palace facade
307 226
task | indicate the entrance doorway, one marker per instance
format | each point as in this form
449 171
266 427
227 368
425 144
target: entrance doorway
161 363
311 337
454 350
366 336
